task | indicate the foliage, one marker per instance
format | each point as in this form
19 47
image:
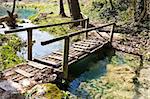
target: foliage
100 10
8 51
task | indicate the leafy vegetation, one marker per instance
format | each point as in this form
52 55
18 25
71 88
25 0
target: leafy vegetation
10 45
101 10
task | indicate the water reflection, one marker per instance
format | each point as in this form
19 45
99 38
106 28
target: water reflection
38 37
96 70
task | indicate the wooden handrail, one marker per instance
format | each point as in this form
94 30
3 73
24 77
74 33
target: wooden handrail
74 34
42 26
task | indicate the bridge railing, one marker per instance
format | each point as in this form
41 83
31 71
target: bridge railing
30 32
66 39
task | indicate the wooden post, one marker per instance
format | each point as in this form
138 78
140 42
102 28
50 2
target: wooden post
86 27
111 33
65 57
29 35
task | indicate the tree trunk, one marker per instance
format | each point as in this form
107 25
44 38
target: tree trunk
74 9
62 11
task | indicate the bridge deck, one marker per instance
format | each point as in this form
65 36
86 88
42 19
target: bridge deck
47 68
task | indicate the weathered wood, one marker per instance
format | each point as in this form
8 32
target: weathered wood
43 26
48 62
90 43
86 27
81 50
60 53
29 44
73 34
65 57
24 73
56 57
36 65
80 46
111 33
19 78
8 73
15 77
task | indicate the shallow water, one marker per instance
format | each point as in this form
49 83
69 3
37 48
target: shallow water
22 12
97 69
38 37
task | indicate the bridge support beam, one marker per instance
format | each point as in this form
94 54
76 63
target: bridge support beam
65 57
86 27
29 35
112 33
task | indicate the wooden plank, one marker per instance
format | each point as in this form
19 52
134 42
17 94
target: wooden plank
8 73
48 62
81 50
81 47
15 76
56 57
81 43
36 65
60 53
93 41
90 43
24 73
19 78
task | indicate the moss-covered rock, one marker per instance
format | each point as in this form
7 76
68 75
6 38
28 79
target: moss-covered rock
45 91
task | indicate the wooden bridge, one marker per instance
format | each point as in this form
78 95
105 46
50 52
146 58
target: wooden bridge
55 65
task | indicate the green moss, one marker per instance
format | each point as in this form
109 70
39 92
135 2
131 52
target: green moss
8 51
53 91
52 17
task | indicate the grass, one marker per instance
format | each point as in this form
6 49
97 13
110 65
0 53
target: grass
8 51
52 17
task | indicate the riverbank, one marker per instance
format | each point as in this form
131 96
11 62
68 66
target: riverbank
9 46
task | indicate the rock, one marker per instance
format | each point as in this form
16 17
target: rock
10 95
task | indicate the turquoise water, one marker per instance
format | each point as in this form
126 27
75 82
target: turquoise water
94 69
23 13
